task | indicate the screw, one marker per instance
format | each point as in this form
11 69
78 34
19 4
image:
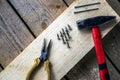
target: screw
69 27
68 33
86 10
64 34
68 45
58 37
87 5
62 37
66 29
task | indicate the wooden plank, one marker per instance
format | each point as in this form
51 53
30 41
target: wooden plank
112 45
38 14
115 4
62 59
63 79
9 43
114 74
87 69
112 41
14 36
0 69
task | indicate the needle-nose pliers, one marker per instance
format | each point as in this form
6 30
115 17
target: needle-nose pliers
42 58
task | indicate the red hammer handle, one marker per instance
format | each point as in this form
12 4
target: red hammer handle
100 53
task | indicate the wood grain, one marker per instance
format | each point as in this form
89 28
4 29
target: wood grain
13 46
0 69
87 69
38 14
14 36
112 45
114 74
62 59
115 4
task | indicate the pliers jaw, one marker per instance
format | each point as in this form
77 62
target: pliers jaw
45 51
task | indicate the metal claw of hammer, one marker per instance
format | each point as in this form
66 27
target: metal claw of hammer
93 24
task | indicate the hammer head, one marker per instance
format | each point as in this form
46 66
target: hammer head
94 21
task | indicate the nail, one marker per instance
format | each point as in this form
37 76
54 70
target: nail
95 3
68 45
68 33
86 10
64 34
69 27
58 37
62 37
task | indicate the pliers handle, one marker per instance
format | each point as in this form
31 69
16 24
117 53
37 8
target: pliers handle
37 61
42 58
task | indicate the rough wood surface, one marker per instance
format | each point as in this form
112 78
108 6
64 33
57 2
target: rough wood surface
38 14
114 74
61 61
0 69
115 4
14 36
112 45
12 44
86 69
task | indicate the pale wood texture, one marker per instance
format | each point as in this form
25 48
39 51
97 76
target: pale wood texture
14 36
38 14
62 59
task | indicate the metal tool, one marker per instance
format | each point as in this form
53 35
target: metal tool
67 33
93 24
42 58
69 27
64 34
89 4
61 34
86 10
68 44
58 37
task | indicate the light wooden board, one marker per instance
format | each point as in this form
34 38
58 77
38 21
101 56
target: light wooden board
62 59
38 14
14 36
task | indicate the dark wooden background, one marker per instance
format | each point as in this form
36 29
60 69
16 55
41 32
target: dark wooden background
21 21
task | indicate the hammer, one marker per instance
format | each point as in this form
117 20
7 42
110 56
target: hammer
93 24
